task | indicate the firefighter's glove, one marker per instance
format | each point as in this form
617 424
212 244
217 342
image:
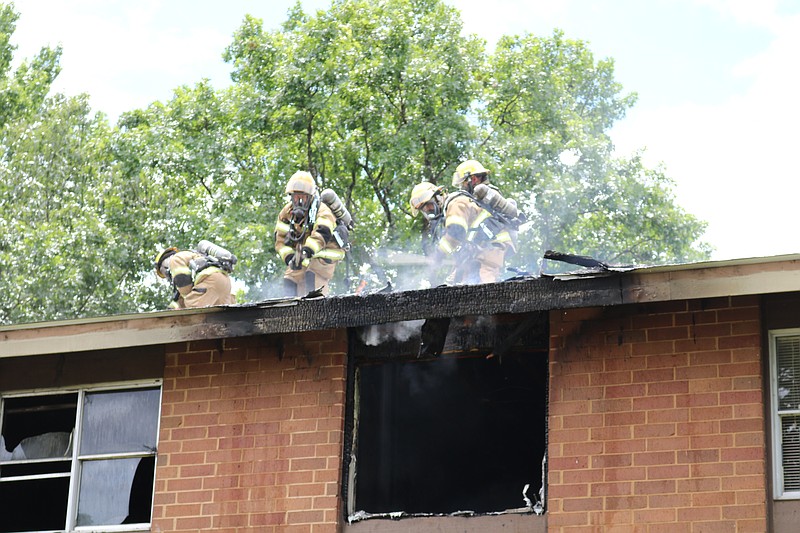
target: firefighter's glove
291 264
342 236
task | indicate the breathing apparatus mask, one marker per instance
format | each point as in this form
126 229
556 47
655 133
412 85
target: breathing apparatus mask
301 203
431 210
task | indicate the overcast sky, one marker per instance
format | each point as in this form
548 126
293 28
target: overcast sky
717 80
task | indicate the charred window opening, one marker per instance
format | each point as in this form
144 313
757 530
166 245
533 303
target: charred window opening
460 432
84 458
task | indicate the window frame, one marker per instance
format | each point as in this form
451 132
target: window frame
776 415
77 459
354 510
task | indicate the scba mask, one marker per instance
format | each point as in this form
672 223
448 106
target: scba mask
431 210
300 204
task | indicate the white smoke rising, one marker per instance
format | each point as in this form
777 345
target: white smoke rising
378 334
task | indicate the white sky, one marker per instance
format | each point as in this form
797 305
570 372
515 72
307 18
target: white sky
717 80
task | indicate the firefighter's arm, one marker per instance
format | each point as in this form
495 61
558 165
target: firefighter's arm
322 233
181 272
456 226
282 228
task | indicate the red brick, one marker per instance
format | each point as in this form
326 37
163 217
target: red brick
699 514
667 472
650 516
654 430
624 419
670 333
665 486
611 489
713 498
654 458
625 502
626 391
653 348
711 413
696 345
582 504
635 473
659 403
667 387
644 321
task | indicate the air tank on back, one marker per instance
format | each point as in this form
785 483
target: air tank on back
209 248
495 200
330 197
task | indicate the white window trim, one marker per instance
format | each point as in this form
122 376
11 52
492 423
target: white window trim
74 474
775 416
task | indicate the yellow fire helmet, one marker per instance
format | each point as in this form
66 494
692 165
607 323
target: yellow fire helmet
301 181
163 254
421 194
468 168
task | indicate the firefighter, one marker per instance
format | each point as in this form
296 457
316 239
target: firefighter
305 238
479 226
196 278
429 199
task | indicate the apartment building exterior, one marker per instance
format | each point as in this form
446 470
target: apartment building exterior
652 399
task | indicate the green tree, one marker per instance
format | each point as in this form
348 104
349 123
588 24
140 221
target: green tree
371 97
60 257
548 107
22 91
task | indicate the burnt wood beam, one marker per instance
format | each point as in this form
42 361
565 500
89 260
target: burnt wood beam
441 302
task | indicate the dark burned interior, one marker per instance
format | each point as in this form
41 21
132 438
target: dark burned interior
447 416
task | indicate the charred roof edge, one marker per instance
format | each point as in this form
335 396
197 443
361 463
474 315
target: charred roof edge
675 282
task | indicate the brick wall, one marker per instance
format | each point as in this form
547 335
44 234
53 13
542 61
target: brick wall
656 418
251 435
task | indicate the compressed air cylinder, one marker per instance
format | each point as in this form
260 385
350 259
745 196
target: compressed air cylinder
495 200
339 210
209 248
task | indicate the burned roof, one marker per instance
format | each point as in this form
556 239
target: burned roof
592 288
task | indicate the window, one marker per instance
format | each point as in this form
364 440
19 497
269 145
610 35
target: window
785 387
78 460
458 431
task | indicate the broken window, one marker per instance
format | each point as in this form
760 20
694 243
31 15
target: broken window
785 392
448 417
84 458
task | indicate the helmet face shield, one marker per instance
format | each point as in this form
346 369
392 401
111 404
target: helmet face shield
300 200
431 209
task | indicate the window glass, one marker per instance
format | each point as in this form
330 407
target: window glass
37 427
790 437
788 358
115 491
118 433
120 421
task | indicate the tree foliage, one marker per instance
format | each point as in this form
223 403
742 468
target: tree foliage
371 97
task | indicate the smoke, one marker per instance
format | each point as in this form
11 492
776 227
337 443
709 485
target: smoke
402 266
378 334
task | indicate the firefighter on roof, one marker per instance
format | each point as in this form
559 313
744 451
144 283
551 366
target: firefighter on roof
199 278
307 238
480 226
428 199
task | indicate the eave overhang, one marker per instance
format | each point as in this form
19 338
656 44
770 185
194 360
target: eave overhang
586 289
